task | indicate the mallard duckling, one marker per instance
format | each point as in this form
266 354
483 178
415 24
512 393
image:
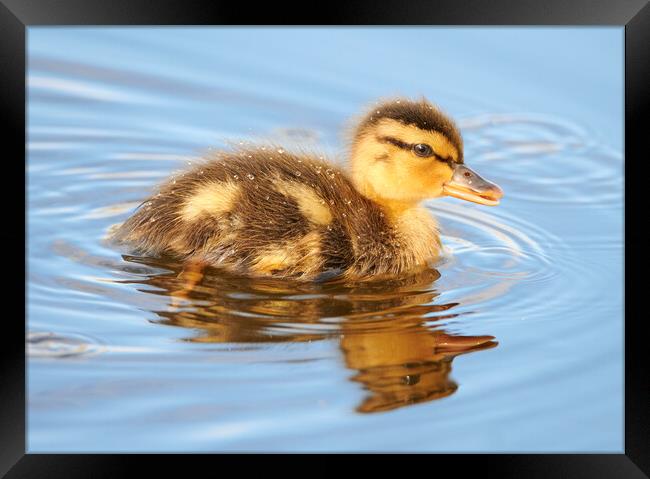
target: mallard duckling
265 211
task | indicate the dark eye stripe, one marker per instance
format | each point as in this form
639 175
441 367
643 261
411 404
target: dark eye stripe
394 141
449 161
409 146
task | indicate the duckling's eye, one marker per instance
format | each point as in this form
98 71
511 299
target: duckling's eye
422 149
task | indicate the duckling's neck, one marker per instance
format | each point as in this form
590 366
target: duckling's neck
415 230
393 207
397 209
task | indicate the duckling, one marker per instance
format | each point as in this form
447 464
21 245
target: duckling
269 212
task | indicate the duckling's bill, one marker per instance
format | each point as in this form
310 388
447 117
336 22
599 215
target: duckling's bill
468 185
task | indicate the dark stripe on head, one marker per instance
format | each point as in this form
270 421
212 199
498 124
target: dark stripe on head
409 146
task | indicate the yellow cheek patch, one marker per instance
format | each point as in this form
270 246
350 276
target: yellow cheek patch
434 172
413 135
216 198
404 177
310 204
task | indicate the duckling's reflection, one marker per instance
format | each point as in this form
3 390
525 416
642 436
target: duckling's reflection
383 327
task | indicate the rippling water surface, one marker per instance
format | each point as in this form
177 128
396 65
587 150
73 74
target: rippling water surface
513 342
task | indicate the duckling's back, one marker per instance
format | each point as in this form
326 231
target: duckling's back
265 212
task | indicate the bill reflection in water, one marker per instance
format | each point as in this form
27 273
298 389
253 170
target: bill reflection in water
383 328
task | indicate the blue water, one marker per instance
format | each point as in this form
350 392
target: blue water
272 366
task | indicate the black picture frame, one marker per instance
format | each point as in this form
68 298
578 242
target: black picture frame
17 15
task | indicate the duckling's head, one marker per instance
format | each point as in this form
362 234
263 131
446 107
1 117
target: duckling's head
406 151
